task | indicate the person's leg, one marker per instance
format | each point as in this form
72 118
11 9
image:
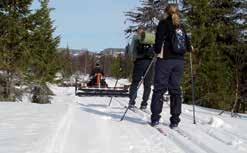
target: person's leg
147 83
175 91
136 78
162 73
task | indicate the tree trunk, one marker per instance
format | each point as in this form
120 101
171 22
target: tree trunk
8 92
236 94
244 107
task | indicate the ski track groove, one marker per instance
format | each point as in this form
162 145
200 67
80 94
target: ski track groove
144 140
207 132
223 131
177 136
184 148
173 135
226 133
58 140
190 137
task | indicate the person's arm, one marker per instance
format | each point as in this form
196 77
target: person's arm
133 45
159 36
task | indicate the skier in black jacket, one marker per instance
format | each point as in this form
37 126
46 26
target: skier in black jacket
141 51
169 67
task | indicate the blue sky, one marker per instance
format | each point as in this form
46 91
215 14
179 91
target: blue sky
91 24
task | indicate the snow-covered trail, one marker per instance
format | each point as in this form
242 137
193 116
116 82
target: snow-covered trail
211 130
86 125
92 127
96 128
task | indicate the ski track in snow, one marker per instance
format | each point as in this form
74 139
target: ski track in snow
206 134
58 140
87 125
180 140
99 134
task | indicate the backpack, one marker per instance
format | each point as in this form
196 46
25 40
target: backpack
178 41
145 45
147 38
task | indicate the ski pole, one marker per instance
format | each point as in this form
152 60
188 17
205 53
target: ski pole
120 69
113 88
143 77
193 88
76 81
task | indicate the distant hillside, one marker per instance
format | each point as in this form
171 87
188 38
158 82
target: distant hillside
108 51
76 51
113 51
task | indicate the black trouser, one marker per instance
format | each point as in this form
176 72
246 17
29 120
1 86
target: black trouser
140 67
168 74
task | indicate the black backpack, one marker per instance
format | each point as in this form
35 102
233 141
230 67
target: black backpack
178 41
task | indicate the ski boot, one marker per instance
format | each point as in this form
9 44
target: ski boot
154 123
173 126
143 107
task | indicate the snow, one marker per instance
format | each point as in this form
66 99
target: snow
216 122
121 82
87 125
28 127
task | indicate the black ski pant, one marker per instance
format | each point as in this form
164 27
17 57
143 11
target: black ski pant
140 67
168 74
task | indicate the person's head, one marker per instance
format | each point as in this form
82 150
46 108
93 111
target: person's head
141 29
172 10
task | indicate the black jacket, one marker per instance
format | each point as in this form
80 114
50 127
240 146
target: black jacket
96 70
163 34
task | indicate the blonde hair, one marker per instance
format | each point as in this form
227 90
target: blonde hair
173 11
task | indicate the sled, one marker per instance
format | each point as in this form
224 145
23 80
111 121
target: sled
99 88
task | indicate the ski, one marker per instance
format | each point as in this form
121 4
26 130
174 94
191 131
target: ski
159 129
145 111
180 132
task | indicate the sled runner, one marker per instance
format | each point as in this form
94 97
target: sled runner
97 86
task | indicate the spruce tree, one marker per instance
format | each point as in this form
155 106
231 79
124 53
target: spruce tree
148 14
14 27
235 50
215 35
42 64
